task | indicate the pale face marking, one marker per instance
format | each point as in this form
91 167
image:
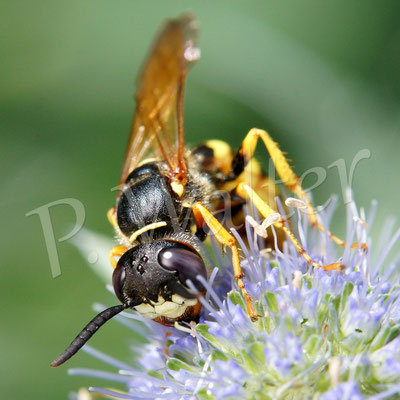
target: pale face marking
168 309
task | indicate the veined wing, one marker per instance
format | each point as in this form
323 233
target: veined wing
158 120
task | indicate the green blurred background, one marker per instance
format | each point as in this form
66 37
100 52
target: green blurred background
321 77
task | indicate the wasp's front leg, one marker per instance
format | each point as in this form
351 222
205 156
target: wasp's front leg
203 215
117 251
112 217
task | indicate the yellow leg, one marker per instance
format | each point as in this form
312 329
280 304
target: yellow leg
112 217
203 215
246 192
289 178
116 251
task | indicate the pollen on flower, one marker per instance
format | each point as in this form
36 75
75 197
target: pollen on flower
297 203
334 370
260 231
270 220
360 221
320 334
297 279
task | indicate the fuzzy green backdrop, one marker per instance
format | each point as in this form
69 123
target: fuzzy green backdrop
321 77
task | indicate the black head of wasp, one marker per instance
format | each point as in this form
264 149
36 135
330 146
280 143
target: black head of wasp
161 198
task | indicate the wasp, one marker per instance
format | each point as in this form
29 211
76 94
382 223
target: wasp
165 197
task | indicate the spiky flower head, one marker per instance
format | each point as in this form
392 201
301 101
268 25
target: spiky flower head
321 334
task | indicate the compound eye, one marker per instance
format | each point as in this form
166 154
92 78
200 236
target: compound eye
118 280
187 263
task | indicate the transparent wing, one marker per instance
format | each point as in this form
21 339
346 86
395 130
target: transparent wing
158 121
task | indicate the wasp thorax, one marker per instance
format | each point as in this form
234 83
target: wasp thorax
145 200
153 277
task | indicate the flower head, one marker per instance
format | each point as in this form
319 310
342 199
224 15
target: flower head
321 334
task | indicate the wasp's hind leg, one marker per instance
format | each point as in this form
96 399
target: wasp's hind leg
203 215
285 172
246 192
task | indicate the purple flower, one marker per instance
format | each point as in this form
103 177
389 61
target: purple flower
327 335
344 391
